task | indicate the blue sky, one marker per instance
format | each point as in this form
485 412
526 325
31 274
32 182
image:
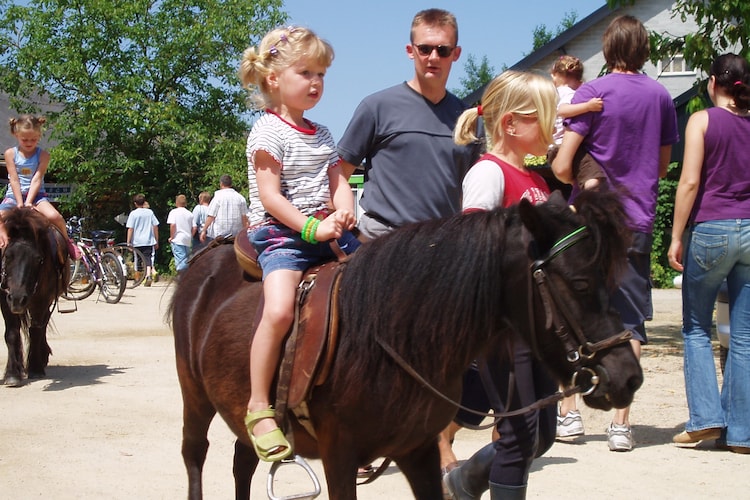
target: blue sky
369 39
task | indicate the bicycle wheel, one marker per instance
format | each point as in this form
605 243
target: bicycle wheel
81 283
112 282
134 261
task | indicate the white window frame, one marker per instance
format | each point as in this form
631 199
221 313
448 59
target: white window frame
674 60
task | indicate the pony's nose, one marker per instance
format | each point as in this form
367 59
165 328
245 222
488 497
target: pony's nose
18 302
634 383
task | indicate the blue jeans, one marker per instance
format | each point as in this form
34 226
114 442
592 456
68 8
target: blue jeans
717 250
180 254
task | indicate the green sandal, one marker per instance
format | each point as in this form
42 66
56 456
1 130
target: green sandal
271 446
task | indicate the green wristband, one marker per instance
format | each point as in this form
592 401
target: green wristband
305 233
313 230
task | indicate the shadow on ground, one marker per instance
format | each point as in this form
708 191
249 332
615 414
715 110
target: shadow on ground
60 378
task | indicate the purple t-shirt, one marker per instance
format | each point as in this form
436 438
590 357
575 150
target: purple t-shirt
626 137
724 191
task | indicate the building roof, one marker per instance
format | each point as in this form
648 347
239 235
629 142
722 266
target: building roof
557 44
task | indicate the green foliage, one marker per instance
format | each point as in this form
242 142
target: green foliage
542 34
696 103
722 27
661 273
142 96
535 161
477 75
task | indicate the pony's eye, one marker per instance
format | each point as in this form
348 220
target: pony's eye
580 286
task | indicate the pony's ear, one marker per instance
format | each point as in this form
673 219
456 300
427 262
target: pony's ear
557 199
528 214
533 219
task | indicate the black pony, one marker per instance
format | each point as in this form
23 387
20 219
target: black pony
34 274
432 296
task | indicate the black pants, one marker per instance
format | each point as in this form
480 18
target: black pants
523 437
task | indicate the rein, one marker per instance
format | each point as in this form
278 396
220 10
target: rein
496 416
578 349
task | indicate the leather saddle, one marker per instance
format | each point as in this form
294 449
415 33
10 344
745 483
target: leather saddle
310 346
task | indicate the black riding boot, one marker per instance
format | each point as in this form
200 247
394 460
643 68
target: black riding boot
503 492
469 481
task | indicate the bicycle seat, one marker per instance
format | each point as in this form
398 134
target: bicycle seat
101 234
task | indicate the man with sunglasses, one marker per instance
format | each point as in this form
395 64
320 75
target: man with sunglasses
404 136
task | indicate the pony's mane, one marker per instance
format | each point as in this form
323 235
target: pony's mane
28 224
606 218
432 273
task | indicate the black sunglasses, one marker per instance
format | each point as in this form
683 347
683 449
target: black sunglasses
442 50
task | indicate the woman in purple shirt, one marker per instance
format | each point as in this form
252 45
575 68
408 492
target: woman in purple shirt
712 212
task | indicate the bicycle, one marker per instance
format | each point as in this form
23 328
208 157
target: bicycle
98 266
132 259
134 263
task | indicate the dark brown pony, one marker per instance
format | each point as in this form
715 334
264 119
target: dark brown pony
34 274
437 293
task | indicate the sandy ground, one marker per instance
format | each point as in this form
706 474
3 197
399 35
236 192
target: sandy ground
106 423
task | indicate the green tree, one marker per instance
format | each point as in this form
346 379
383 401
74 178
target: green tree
143 95
542 34
476 75
722 27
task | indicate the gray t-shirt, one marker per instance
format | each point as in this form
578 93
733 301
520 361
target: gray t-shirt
413 169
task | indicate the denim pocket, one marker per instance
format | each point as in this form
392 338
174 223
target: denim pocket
709 249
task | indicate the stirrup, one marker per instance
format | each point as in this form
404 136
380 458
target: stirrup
297 460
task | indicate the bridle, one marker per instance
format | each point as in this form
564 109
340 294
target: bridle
4 273
579 350
559 318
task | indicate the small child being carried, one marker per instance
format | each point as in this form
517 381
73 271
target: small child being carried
567 73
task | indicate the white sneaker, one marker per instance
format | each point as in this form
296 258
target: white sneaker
620 437
570 425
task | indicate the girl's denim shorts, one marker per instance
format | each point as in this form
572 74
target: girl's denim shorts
280 247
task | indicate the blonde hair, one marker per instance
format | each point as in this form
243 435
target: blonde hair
27 122
279 49
180 200
511 92
568 66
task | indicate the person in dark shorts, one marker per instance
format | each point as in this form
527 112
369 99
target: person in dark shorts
143 233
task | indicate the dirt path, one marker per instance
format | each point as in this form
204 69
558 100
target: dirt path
106 423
